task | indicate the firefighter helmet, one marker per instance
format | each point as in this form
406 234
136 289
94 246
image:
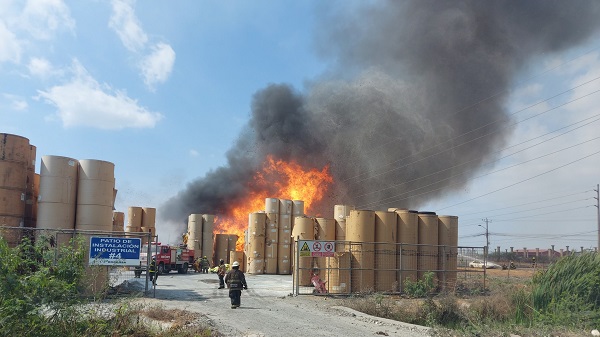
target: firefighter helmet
235 264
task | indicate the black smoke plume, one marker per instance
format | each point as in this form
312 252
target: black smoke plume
410 84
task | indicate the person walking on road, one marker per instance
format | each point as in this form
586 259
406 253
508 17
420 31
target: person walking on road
152 272
221 273
236 281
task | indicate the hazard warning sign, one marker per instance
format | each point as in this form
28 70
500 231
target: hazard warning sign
316 248
305 249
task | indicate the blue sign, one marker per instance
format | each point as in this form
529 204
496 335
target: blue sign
106 251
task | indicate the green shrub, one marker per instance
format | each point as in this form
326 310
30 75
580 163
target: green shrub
420 288
35 291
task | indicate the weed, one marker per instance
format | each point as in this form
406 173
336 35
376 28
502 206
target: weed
420 288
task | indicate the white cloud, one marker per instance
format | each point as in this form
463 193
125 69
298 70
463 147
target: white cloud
124 22
194 153
19 105
16 103
42 18
85 102
10 48
40 67
157 66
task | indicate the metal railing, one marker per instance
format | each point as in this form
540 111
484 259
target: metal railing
365 267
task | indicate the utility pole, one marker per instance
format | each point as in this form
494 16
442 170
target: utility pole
487 236
597 197
485 250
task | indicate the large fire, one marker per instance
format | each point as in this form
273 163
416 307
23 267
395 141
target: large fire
277 179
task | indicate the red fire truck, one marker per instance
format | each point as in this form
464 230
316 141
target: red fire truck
169 258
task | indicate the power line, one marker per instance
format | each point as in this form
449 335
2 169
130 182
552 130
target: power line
493 161
476 129
397 197
538 208
524 180
525 204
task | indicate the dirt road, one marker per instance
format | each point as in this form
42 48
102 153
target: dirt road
268 310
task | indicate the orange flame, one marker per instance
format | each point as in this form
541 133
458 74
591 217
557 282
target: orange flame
277 179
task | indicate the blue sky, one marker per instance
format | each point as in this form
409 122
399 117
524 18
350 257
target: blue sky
163 89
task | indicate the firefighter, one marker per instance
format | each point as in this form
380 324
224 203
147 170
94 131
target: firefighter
204 265
236 281
221 273
196 265
152 271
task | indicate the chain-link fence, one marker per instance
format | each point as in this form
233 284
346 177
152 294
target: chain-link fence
360 267
101 278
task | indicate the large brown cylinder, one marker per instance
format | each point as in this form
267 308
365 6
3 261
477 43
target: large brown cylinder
95 188
338 273
12 175
385 251
194 240
118 221
304 228
14 162
134 216
255 254
325 231
208 237
340 214
284 238
238 255
221 248
271 243
224 243
12 202
58 194
286 223
407 252
285 206
14 148
148 217
272 228
428 240
283 259
360 228
297 208
271 205
448 240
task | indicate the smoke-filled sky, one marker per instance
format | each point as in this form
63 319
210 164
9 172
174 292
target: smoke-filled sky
431 105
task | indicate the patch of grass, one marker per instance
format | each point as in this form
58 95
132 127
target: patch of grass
507 307
568 292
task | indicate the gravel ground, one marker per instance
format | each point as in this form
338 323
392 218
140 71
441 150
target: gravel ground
268 309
